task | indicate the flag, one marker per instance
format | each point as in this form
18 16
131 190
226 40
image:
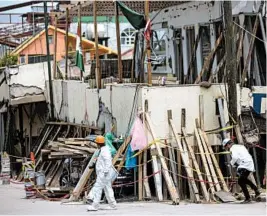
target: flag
148 30
137 20
79 54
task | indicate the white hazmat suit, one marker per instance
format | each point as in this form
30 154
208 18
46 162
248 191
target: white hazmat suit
105 176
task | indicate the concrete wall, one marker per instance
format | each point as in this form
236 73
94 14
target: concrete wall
81 104
183 97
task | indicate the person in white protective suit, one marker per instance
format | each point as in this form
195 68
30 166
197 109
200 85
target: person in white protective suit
105 175
242 160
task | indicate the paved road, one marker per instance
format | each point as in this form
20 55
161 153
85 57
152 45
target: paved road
12 202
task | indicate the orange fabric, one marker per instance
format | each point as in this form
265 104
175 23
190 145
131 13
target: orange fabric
32 157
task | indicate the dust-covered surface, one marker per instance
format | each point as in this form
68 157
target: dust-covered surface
13 202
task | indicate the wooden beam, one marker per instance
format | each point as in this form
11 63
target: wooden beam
171 154
171 188
196 165
209 58
140 177
155 166
209 161
215 162
55 50
184 157
118 36
148 48
97 66
193 56
204 160
67 43
251 45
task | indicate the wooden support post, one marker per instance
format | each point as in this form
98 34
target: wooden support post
209 59
97 66
172 155
146 185
157 178
148 48
218 68
171 188
118 36
134 56
251 45
67 43
193 56
201 111
55 49
79 33
215 162
196 165
241 39
230 52
209 161
140 178
184 156
204 160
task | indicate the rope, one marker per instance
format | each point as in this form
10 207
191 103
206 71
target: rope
249 32
141 180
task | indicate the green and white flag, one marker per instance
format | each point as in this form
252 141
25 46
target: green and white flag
79 54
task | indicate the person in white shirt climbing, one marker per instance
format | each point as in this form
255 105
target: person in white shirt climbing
242 160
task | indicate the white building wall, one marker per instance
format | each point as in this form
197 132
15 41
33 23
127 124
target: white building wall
107 30
190 14
79 100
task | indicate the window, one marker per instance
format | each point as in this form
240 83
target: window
22 59
50 39
128 36
38 58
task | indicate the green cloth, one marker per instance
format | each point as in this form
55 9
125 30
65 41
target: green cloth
79 54
108 142
137 20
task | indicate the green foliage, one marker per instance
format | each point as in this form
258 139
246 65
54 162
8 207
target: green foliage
8 60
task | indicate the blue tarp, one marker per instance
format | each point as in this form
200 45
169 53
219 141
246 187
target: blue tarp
130 162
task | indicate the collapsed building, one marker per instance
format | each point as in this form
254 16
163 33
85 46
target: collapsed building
180 116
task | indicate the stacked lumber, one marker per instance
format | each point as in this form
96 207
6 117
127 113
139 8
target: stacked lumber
69 147
184 167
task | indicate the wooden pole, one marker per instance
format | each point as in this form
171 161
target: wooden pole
66 44
51 96
231 69
97 66
148 49
55 49
118 41
80 32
